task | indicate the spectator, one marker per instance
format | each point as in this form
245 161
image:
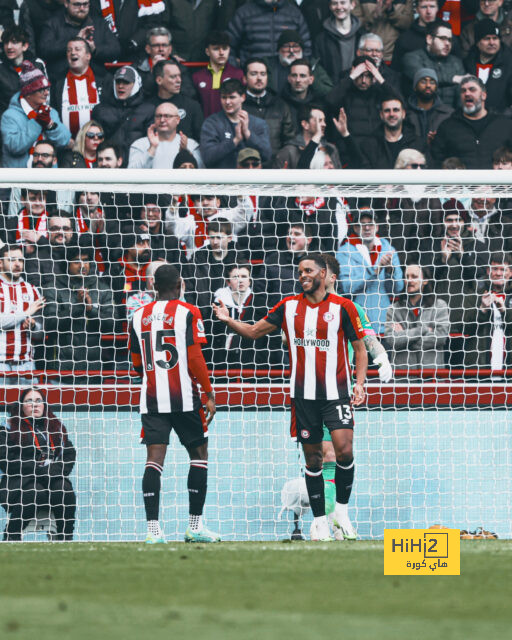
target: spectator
370 271
141 298
261 102
79 310
337 42
417 324
167 75
299 90
290 48
256 26
40 458
129 273
163 141
492 10
392 136
426 111
29 118
33 14
437 55
158 48
122 113
315 12
414 37
20 311
163 246
456 264
360 95
502 158
185 160
76 94
190 23
225 133
387 19
76 19
32 219
207 81
488 318
371 45
471 134
14 52
84 153
491 227
110 155
490 61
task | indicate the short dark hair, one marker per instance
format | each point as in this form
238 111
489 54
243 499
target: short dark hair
220 225
317 258
500 257
108 144
158 69
7 248
304 62
454 163
252 61
24 191
332 263
360 59
433 27
391 96
48 142
166 278
78 39
306 109
502 154
242 264
307 228
14 33
219 38
232 86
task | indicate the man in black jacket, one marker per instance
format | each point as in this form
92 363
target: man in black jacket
471 133
76 19
264 104
425 111
414 37
298 91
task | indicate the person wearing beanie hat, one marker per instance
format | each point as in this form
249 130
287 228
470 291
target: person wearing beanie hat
29 118
493 10
425 109
490 61
437 55
184 160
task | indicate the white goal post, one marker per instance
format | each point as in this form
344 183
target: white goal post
432 446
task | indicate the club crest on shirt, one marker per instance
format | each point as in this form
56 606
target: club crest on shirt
25 297
328 316
304 433
200 326
497 73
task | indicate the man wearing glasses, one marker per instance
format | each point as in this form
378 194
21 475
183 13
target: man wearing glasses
29 119
437 55
162 143
76 20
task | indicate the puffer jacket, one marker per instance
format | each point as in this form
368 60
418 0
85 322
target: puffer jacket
256 26
276 114
190 23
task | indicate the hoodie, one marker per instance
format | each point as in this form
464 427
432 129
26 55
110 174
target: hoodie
336 50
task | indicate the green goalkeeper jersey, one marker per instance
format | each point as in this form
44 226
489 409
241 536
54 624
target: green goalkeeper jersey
367 329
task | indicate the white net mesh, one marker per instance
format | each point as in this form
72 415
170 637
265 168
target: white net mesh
427 261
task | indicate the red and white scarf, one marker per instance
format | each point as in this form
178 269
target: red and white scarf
79 97
109 14
310 205
83 227
370 257
150 7
31 115
41 225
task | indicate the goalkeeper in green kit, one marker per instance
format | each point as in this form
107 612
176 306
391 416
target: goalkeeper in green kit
380 358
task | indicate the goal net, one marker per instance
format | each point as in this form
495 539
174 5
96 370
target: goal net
424 253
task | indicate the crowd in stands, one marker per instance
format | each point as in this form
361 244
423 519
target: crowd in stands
311 84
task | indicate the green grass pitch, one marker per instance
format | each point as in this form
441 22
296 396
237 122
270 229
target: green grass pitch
246 591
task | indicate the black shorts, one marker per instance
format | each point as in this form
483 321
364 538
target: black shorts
310 416
190 427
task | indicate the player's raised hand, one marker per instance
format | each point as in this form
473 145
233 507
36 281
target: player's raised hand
358 395
210 408
221 311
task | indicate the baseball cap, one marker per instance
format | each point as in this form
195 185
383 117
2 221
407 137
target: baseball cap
247 153
125 74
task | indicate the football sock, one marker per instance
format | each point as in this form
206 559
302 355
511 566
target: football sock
328 472
197 482
151 489
344 479
154 528
195 523
316 493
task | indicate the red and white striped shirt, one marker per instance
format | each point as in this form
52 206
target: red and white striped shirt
318 336
161 332
15 299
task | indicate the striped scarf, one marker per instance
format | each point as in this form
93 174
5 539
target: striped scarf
79 97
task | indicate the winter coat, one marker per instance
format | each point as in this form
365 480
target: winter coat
210 98
381 154
445 68
256 26
278 77
499 83
335 50
190 112
425 121
33 14
467 34
456 137
388 24
19 133
296 103
276 114
409 40
123 120
10 79
73 332
190 23
422 341
149 85
359 280
56 33
217 148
